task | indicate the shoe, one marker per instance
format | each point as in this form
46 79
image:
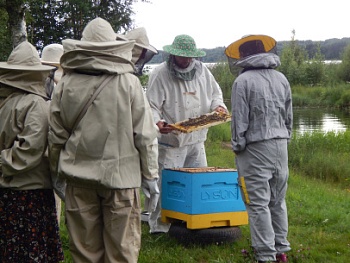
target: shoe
282 257
145 216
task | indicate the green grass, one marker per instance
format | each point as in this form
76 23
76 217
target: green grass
323 156
318 208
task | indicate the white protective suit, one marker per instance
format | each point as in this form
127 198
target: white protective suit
173 99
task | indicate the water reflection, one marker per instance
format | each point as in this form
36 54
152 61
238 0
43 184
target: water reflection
320 120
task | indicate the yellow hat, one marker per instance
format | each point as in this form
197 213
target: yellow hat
232 50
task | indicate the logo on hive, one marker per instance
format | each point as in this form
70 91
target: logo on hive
219 194
176 193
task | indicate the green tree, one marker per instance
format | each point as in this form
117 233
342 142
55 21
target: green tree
67 19
44 22
293 59
344 67
5 35
224 77
315 68
15 19
43 25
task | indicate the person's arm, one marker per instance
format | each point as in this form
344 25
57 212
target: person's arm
289 112
240 117
145 133
30 145
155 96
58 135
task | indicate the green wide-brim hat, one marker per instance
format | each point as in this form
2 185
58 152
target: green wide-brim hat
232 50
184 46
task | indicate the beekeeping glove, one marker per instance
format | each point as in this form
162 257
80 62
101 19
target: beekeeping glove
151 190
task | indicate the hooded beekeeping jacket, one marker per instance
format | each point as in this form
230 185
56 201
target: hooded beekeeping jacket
173 99
115 141
260 96
24 121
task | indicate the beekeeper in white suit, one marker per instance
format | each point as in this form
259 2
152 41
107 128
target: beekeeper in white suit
180 88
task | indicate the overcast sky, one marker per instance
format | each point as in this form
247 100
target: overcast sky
217 23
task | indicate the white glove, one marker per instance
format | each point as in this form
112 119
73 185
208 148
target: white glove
151 190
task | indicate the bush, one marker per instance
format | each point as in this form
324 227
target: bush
223 76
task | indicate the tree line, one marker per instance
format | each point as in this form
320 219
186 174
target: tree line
331 49
44 22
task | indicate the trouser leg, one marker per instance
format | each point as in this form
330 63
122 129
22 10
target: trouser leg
103 225
122 225
58 208
263 174
187 156
278 207
84 225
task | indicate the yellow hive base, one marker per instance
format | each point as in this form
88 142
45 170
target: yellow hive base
207 220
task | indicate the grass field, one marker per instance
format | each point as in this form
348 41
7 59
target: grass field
318 209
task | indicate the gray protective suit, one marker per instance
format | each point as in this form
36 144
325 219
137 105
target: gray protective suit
261 127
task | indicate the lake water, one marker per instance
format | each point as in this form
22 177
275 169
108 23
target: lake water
320 120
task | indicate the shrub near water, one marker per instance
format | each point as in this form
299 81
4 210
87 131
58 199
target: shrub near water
321 96
321 155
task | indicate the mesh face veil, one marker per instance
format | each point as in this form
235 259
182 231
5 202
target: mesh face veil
235 70
234 52
146 56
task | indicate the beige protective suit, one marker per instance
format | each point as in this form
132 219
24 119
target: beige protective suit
112 149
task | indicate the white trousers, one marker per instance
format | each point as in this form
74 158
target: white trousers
190 156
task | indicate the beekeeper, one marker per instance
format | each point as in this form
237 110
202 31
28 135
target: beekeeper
51 55
261 128
142 52
27 206
182 87
107 153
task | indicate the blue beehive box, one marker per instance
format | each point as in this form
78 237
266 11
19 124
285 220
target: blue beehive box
201 190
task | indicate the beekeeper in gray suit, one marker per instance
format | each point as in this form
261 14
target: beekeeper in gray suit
261 128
